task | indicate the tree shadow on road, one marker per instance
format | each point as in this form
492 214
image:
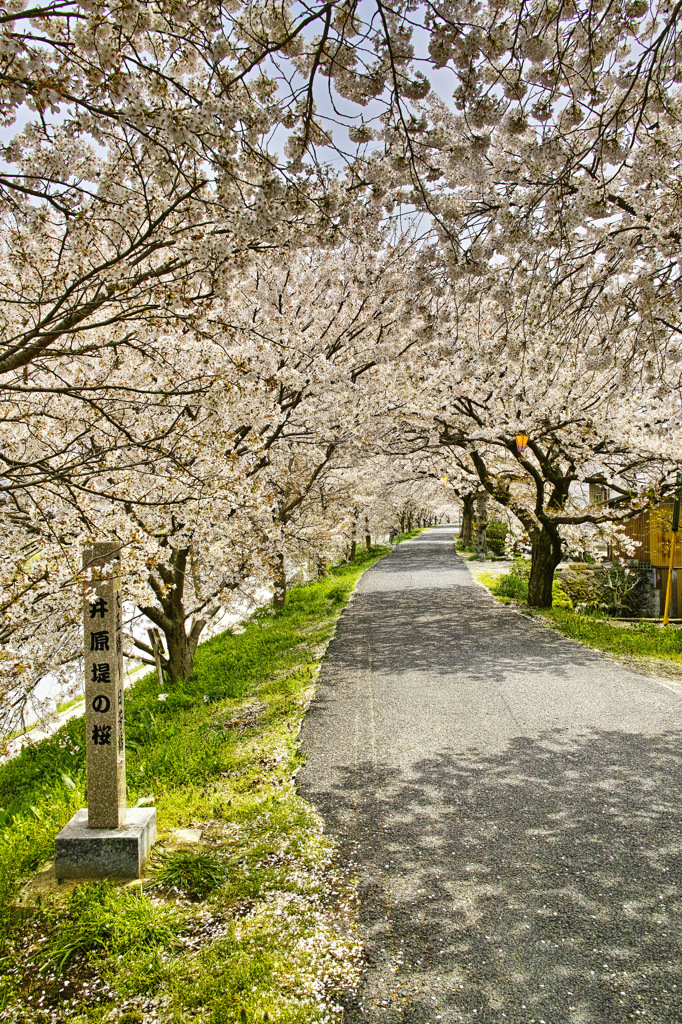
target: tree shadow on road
537 884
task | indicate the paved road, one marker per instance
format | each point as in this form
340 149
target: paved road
511 801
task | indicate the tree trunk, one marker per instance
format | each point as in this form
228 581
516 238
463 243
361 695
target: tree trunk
481 537
368 536
280 595
181 651
466 531
353 549
545 556
157 647
171 618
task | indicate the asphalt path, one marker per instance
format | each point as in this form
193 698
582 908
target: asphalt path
510 801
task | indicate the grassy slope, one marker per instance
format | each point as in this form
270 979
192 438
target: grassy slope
257 923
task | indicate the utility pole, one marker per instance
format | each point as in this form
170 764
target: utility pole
673 542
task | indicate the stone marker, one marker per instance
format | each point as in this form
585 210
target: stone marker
104 720
104 840
85 852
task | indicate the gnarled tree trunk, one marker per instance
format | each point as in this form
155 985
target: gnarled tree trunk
181 646
279 596
545 556
481 537
182 649
466 530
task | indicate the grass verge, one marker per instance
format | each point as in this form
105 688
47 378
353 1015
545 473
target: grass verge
255 922
629 639
408 536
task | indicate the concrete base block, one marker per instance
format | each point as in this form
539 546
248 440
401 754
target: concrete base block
82 852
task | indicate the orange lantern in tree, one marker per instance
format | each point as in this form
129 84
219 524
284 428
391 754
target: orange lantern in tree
521 442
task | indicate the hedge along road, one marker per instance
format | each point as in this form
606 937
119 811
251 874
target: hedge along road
511 800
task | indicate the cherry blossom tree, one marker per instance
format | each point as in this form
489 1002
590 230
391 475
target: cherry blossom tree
209 335
205 488
588 420
148 149
188 515
325 327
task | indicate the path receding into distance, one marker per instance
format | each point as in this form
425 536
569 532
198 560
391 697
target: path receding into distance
511 801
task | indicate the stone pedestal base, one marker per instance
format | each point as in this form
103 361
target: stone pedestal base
82 852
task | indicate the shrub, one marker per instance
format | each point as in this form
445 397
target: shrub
194 874
520 568
560 599
615 590
497 534
514 585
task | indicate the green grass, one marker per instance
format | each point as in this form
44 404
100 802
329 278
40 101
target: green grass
65 705
192 874
489 580
97 919
257 922
408 536
638 639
